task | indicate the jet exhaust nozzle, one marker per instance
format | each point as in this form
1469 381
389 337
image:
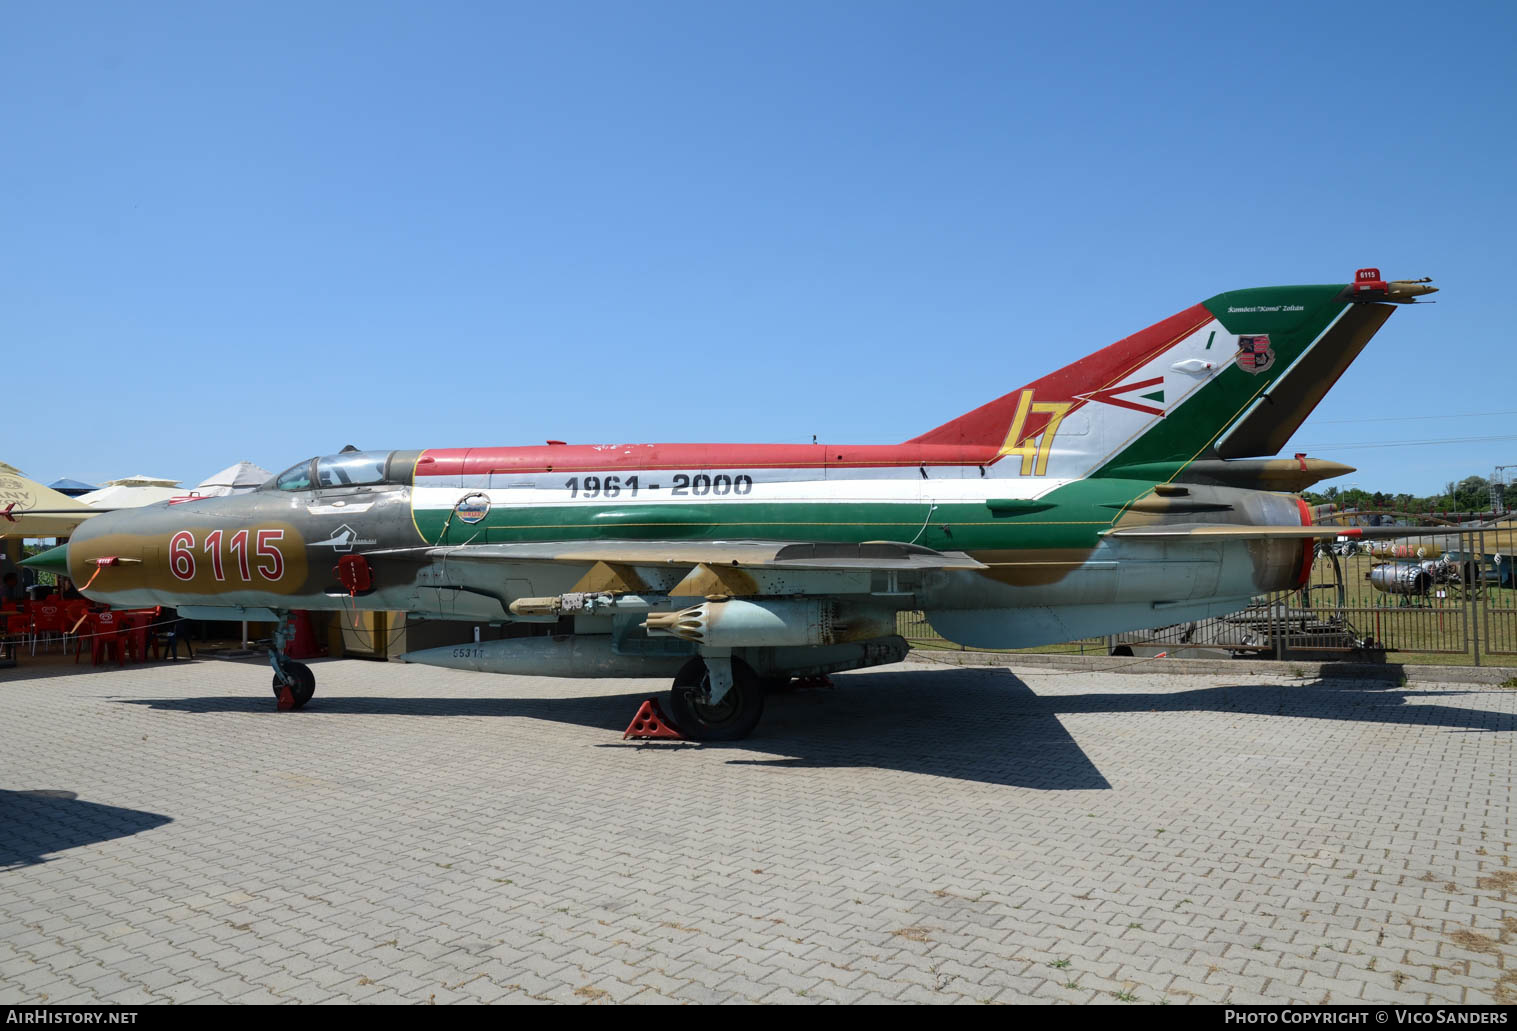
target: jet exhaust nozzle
1401 578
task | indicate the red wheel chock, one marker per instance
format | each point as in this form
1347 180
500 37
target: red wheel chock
650 723
286 700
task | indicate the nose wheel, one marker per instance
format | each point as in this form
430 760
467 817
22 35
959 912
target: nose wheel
295 687
294 683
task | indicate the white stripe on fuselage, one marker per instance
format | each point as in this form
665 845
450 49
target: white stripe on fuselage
553 489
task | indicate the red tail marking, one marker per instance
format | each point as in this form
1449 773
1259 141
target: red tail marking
1095 373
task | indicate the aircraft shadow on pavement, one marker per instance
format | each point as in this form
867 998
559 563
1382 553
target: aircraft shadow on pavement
988 725
34 824
983 725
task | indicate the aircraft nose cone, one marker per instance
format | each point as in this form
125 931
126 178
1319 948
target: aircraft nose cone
54 560
105 556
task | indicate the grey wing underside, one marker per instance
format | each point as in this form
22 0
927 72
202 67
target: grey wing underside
871 555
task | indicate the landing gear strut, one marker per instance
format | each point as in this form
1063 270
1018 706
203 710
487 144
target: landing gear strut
734 713
294 683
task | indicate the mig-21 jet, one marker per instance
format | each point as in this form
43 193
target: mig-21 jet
1131 488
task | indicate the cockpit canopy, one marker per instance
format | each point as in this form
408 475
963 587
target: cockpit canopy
349 469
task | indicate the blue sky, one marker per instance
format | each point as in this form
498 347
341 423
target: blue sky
267 230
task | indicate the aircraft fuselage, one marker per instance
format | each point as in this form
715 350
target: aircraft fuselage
1040 539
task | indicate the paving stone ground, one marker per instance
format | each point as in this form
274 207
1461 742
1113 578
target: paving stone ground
918 834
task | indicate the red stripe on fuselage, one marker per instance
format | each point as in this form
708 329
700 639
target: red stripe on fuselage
572 458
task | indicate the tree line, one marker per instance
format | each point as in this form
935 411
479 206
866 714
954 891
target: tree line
1471 494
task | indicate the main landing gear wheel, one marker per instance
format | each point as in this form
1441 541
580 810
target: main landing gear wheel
731 719
303 688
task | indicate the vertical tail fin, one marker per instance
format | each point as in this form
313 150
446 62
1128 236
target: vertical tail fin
1232 376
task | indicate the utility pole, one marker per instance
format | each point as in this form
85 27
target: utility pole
1498 489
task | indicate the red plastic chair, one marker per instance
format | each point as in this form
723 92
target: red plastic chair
85 632
14 626
47 619
73 612
136 628
109 636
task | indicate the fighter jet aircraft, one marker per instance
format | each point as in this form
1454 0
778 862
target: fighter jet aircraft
1125 490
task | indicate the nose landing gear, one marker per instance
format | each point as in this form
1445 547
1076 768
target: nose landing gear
294 683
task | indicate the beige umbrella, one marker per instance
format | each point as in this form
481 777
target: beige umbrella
28 509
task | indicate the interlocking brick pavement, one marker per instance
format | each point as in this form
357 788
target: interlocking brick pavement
918 834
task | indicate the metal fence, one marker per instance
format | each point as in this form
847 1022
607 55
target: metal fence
1498 603
1458 606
